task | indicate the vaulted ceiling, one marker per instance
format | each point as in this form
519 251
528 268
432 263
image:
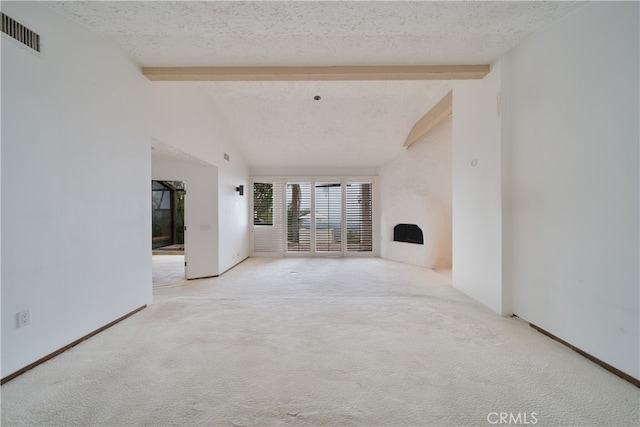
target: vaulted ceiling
355 124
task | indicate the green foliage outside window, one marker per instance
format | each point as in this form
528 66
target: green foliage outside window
262 203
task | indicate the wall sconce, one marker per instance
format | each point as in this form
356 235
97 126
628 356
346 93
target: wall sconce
240 189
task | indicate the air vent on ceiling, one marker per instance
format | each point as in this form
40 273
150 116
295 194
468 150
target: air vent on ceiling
14 29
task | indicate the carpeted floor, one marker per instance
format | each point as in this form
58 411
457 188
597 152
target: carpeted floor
168 270
316 342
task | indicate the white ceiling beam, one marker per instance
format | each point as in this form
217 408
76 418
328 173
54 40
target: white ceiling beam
439 112
337 73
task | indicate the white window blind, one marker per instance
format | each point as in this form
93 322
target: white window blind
328 228
268 218
298 216
327 216
359 216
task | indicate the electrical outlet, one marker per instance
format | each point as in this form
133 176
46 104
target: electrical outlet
24 318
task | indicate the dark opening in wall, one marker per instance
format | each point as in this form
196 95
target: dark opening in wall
409 233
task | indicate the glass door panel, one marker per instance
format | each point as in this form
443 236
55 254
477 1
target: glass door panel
299 217
359 217
328 218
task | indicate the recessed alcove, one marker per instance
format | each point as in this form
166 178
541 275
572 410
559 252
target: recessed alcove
409 233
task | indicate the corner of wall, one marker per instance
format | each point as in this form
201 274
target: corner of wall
415 188
477 189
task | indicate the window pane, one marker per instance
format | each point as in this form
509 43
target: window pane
157 185
262 203
167 203
267 218
359 217
298 216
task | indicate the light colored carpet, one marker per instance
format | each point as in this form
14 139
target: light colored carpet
284 342
168 270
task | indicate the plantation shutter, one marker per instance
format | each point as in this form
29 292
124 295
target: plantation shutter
268 218
328 198
359 197
298 216
328 216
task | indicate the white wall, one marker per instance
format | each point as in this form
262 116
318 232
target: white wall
233 214
477 189
416 189
187 120
76 169
574 180
201 212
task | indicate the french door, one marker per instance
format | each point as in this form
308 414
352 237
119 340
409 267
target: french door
323 217
328 218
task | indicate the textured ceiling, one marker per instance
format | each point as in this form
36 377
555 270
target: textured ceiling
356 124
234 33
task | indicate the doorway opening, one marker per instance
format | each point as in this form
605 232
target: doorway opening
168 231
167 205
